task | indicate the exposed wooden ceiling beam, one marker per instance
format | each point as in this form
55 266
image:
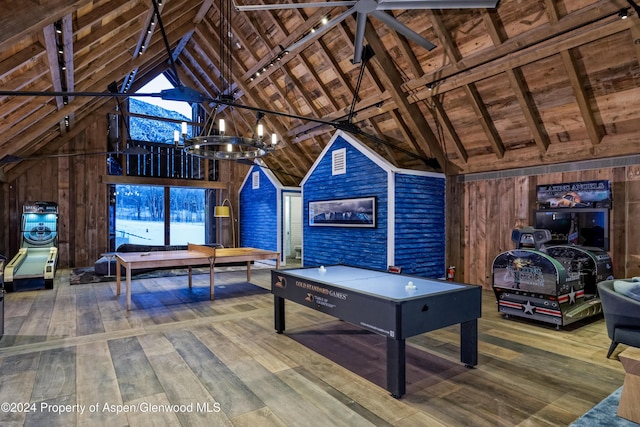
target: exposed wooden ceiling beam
290 39
405 50
67 49
54 61
412 115
531 54
519 86
486 122
28 17
522 41
581 97
442 118
528 108
121 26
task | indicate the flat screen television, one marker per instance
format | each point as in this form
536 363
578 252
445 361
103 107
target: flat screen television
581 226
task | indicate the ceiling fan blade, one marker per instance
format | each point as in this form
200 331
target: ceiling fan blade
320 31
437 4
358 40
392 22
247 7
183 94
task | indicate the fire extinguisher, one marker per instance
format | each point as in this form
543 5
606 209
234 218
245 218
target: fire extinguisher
451 273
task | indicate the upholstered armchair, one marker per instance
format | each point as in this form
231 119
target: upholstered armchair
621 315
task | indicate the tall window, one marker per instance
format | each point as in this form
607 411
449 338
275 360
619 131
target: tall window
140 216
188 216
158 215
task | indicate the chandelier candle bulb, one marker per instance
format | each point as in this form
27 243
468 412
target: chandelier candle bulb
260 130
221 126
176 136
274 139
184 128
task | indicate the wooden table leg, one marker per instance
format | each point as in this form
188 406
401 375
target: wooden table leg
128 287
248 271
212 264
118 276
190 281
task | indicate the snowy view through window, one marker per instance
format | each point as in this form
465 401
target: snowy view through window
139 210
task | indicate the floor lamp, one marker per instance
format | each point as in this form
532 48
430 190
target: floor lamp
223 211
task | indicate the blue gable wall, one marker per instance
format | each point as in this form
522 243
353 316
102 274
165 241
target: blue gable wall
420 225
364 247
259 213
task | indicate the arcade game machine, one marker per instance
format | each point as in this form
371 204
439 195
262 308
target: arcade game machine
34 266
554 285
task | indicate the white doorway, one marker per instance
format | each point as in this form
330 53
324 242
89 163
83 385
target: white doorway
292 214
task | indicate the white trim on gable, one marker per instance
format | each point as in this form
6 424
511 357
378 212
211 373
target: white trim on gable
270 176
370 154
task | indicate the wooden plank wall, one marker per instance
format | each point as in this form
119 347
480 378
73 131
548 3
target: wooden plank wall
73 183
492 208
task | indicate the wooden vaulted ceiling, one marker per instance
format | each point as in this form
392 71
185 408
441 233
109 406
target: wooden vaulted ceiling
531 82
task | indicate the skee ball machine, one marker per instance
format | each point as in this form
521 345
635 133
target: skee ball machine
34 266
554 285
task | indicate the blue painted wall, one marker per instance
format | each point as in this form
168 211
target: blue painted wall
420 225
258 217
365 247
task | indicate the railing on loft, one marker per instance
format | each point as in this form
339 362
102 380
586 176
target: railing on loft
166 161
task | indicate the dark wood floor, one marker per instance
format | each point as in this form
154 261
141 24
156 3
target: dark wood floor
222 361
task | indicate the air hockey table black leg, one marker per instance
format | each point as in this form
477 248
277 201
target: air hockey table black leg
396 367
469 343
278 307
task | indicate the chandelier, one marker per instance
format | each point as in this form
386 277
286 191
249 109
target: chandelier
214 142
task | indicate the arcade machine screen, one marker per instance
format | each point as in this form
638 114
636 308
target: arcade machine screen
585 227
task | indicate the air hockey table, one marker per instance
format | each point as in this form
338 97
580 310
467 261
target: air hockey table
392 305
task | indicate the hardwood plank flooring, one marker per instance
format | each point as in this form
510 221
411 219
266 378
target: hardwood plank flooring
179 359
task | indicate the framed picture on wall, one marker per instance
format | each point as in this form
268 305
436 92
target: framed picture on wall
358 212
